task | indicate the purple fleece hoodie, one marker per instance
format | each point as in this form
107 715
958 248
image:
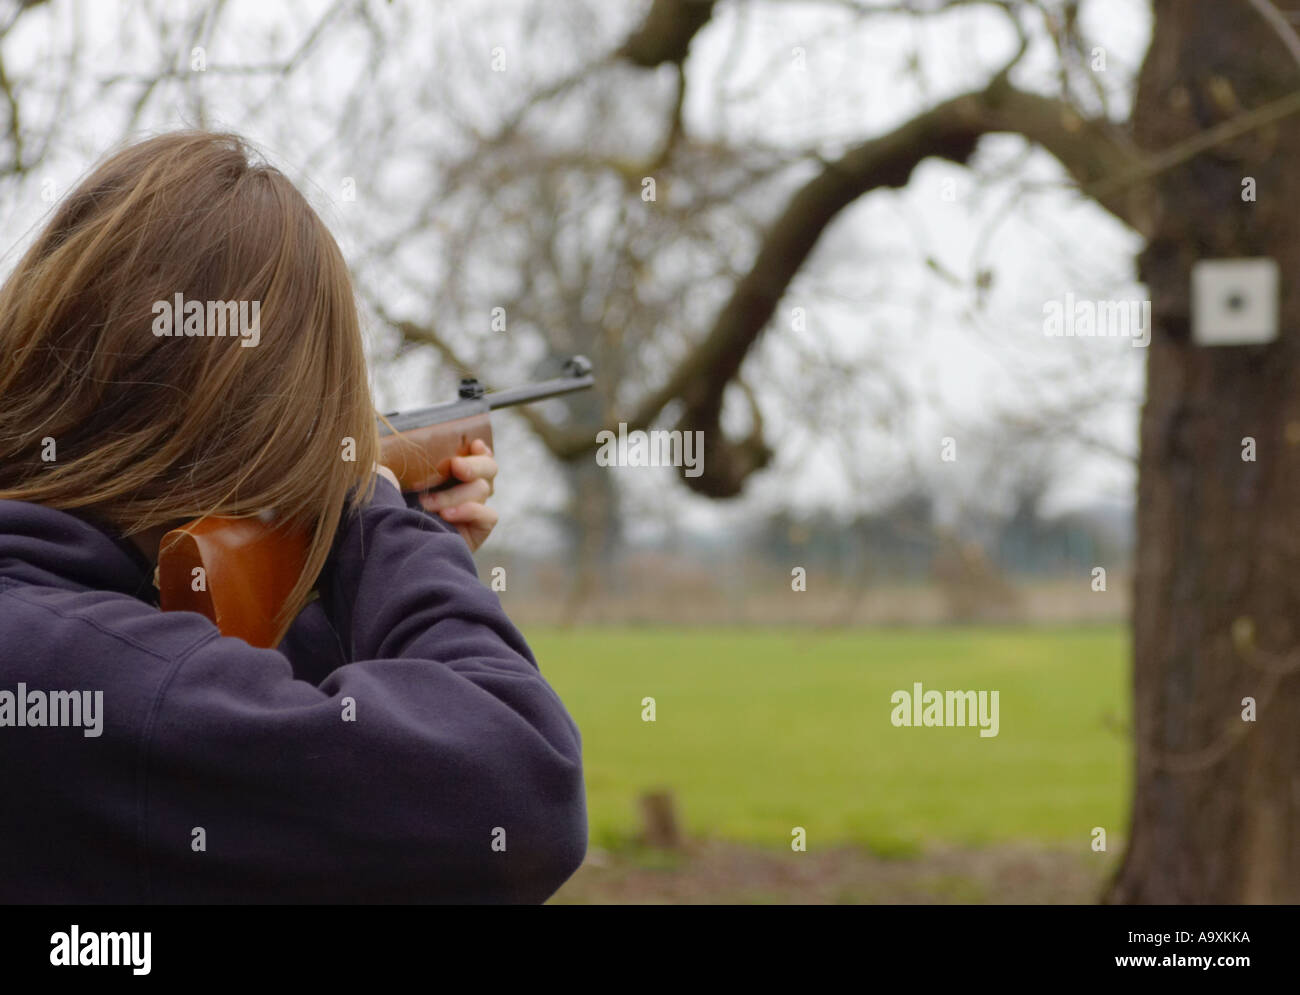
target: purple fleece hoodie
400 746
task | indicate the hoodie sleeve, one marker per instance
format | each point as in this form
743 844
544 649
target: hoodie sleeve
439 766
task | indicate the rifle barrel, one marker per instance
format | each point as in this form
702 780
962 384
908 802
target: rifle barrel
537 391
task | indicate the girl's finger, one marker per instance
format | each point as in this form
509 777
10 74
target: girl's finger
474 490
482 467
474 522
471 514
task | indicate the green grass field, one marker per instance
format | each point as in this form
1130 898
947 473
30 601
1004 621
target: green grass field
758 731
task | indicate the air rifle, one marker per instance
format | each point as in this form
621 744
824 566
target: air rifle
239 572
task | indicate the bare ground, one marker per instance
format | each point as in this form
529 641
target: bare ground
729 873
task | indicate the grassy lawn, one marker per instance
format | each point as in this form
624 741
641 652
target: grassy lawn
758 731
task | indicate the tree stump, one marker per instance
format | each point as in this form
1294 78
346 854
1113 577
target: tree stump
659 826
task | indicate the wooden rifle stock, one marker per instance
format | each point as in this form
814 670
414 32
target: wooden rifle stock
238 572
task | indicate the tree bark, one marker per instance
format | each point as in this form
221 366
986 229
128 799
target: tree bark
594 533
1216 815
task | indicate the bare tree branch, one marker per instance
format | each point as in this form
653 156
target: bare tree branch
1089 150
666 33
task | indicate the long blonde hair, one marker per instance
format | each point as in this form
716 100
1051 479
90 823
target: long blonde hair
147 429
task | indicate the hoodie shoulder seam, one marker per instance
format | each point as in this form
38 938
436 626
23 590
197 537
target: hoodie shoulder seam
8 587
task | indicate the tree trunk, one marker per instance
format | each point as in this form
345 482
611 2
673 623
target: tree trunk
595 534
1217 604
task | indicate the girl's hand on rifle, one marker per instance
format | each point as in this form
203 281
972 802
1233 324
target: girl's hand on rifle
462 505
